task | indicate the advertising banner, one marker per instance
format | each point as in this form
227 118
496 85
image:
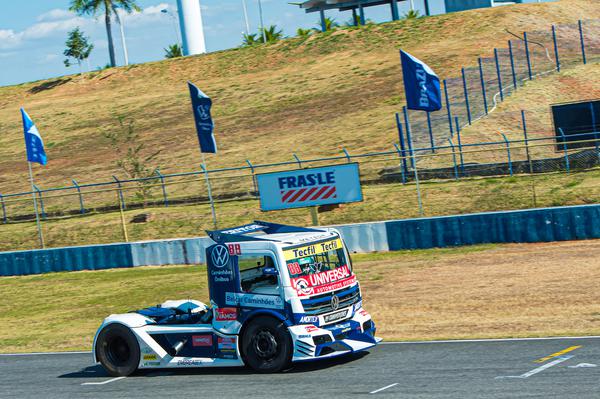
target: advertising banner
300 188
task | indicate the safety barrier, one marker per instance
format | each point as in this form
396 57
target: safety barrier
535 225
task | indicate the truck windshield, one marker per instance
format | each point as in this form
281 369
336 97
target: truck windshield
318 267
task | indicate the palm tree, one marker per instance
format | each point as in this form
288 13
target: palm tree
412 14
330 24
173 51
271 34
303 33
107 7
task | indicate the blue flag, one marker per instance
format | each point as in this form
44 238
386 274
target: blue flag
421 84
201 105
33 141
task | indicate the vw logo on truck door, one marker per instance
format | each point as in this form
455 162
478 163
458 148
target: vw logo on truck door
335 302
220 256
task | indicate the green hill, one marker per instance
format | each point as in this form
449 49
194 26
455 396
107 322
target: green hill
306 96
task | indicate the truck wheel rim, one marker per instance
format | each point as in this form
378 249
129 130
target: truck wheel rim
117 351
265 345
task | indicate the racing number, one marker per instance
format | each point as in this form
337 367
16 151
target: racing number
234 249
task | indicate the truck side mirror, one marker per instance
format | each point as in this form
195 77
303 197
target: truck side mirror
269 271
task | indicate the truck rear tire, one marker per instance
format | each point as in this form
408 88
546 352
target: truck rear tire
266 345
118 350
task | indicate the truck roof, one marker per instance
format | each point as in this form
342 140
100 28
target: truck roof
266 231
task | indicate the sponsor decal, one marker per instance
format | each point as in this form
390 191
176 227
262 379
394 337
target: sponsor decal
304 336
234 249
226 314
313 249
151 364
335 316
294 268
244 229
226 344
189 362
323 282
220 256
308 319
149 357
311 328
363 313
202 340
253 300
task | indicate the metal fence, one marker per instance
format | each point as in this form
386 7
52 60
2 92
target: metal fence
438 153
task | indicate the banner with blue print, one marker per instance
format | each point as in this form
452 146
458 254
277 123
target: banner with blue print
301 188
201 105
421 84
33 141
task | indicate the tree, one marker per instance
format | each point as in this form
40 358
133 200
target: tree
272 34
173 51
78 48
330 24
412 14
250 39
108 8
303 33
133 159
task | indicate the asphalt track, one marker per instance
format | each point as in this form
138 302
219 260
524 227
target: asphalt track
540 368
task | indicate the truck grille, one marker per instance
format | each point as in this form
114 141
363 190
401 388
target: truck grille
321 304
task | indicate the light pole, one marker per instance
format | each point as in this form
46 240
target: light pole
122 28
246 17
262 25
175 24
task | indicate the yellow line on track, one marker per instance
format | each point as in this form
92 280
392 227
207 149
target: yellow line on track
557 354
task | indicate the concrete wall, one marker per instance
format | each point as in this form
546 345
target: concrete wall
534 225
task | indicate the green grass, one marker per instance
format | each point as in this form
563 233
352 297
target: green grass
439 198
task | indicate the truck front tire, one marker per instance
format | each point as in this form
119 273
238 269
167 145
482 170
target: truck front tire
118 350
267 345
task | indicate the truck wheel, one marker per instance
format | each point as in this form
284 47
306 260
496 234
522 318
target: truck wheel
267 345
118 350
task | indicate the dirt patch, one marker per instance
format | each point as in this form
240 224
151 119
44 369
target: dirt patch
514 290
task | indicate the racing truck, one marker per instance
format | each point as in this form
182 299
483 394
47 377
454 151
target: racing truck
278 294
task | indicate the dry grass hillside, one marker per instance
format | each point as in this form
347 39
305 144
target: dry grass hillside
309 96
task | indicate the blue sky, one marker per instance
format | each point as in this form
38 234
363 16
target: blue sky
33 32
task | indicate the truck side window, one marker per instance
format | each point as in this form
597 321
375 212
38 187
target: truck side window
252 278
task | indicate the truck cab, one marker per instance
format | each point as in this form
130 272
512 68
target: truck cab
278 294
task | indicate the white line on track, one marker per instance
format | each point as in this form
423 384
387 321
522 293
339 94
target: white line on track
104 382
45 353
539 369
386 387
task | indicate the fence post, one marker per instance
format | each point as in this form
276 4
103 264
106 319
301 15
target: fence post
483 91
466 90
121 198
555 48
403 160
512 64
431 140
81 207
4 220
297 160
39 192
347 154
401 137
564 140
460 152
526 141
499 74
593 113
253 175
408 137
527 55
510 168
582 40
453 159
448 108
164 188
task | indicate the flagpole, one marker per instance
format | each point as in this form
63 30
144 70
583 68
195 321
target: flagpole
210 197
37 216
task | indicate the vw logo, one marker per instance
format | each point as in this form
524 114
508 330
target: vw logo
220 256
203 112
335 302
